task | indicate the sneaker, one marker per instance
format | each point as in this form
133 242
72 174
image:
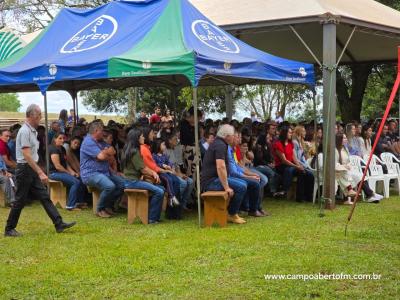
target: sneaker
110 211
74 209
153 222
12 233
348 202
255 214
175 201
61 227
279 195
236 219
372 199
352 193
378 196
103 214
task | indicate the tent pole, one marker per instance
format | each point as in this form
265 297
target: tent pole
229 101
329 105
74 107
315 139
197 152
77 107
174 95
46 120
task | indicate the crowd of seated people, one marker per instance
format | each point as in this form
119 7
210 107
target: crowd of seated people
248 159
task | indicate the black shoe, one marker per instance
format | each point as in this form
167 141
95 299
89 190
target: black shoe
61 227
12 233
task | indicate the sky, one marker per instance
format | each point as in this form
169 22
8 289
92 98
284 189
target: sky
56 101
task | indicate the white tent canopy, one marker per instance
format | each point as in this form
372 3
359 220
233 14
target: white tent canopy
264 24
326 32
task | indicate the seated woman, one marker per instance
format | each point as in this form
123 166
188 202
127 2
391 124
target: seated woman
60 170
288 166
174 153
148 134
134 168
299 146
73 154
349 180
354 141
366 145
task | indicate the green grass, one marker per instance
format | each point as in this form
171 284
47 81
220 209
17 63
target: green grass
109 259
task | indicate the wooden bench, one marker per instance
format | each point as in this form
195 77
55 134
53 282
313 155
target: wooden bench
291 194
2 198
138 205
95 196
215 208
58 193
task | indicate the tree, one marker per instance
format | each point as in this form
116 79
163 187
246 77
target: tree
9 102
264 99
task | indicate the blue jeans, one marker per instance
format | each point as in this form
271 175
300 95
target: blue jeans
76 188
186 187
156 199
237 185
263 183
171 184
251 199
111 187
273 177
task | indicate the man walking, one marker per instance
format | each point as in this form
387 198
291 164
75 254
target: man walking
29 176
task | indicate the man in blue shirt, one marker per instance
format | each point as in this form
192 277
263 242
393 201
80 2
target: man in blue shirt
252 197
95 170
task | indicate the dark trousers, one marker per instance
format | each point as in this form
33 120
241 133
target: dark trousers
305 182
28 182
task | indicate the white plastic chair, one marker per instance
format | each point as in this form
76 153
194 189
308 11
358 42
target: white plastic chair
392 164
374 174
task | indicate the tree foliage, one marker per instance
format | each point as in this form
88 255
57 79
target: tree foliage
266 99
9 102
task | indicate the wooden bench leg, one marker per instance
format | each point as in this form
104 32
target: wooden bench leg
2 199
215 210
58 194
95 197
138 206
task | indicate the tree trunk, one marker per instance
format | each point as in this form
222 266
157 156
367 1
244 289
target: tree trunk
132 98
350 105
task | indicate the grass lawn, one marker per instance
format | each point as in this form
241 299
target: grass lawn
109 259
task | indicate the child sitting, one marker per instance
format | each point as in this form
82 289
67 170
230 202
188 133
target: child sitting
168 178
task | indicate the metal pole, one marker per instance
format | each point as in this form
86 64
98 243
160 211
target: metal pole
74 107
229 101
197 152
329 83
315 139
174 95
77 107
46 120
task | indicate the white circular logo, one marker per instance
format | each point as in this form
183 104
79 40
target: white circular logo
214 37
93 35
302 72
52 69
146 64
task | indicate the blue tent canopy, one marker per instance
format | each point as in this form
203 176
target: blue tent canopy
141 43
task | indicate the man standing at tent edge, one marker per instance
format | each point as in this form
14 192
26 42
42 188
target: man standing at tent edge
30 177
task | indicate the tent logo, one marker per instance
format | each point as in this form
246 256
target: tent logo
214 37
302 72
52 69
93 35
227 65
146 64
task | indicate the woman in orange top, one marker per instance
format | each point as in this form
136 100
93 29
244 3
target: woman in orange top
172 189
